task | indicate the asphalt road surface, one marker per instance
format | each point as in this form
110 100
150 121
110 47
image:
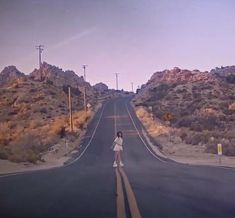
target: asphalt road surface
147 186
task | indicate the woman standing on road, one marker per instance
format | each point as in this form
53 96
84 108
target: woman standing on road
118 148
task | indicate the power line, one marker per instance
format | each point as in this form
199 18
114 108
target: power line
40 49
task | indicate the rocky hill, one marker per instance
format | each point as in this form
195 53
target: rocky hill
100 87
199 105
34 110
225 73
52 74
10 74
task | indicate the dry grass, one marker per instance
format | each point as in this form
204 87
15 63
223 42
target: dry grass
232 107
33 110
5 135
153 126
23 141
81 118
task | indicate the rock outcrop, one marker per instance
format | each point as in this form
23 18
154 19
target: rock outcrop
100 87
10 74
60 78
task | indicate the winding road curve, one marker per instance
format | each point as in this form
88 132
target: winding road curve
148 186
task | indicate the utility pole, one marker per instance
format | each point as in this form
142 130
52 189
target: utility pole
132 89
116 81
70 112
40 49
84 71
84 94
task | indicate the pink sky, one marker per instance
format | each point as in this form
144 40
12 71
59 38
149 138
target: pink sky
134 38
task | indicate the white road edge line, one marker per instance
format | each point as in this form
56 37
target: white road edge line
154 155
92 136
76 159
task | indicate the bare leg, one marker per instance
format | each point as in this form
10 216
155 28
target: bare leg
119 157
116 156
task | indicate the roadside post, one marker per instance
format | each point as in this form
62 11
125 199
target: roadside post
70 112
151 112
220 152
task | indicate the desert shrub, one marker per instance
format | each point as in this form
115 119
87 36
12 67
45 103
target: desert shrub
4 153
195 126
35 124
25 149
11 113
183 134
43 110
210 122
15 85
5 133
49 82
26 156
39 98
57 125
230 134
228 149
159 92
52 93
184 122
11 124
32 90
211 148
81 118
196 138
183 90
197 95
230 78
62 132
232 107
158 113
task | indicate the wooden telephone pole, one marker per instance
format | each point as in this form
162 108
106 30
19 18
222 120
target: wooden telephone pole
84 94
70 112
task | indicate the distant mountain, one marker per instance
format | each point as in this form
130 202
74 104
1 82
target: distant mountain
199 102
101 87
9 74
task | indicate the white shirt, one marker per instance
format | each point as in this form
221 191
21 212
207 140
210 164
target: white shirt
119 141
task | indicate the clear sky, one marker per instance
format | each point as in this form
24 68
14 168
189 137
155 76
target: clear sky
134 38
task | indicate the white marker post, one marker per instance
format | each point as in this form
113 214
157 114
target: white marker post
220 152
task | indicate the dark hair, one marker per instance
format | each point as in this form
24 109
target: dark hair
119 134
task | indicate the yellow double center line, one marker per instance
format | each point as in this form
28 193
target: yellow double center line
121 211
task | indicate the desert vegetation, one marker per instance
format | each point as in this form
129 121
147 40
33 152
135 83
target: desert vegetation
200 104
34 116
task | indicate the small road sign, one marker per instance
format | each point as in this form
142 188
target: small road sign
219 147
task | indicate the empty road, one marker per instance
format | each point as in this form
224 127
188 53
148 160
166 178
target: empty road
147 186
